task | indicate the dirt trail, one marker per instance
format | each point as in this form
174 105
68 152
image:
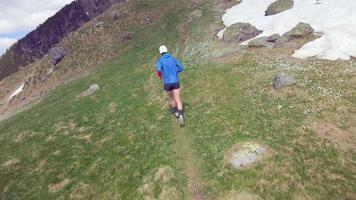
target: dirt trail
183 144
190 163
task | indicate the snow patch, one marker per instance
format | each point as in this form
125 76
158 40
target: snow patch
334 20
17 91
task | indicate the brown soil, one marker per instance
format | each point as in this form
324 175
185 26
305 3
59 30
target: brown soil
338 126
285 91
342 139
112 107
81 191
41 166
55 187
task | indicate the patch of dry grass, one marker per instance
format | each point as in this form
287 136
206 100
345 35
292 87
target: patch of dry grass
55 187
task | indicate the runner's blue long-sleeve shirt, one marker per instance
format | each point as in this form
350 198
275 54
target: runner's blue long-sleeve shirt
169 67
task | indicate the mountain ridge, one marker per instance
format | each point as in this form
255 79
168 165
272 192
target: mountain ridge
38 42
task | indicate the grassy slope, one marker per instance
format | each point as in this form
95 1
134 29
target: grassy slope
112 143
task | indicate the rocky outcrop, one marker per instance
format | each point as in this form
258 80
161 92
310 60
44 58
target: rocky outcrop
274 40
240 32
277 39
279 6
37 43
299 31
261 42
56 54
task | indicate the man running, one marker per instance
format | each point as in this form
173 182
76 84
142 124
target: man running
169 67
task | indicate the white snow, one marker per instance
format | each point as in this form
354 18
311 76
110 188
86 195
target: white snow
17 91
334 20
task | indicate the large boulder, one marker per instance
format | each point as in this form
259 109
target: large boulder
261 42
282 79
269 42
240 32
56 54
279 6
277 39
299 31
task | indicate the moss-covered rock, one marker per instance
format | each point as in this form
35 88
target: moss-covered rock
261 42
299 31
240 32
279 6
277 39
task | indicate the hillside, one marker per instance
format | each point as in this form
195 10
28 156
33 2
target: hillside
122 143
37 43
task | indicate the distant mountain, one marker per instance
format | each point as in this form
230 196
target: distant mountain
37 43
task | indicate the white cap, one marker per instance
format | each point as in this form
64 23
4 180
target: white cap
163 49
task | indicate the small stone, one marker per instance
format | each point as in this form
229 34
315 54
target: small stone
282 79
125 36
99 24
115 15
93 88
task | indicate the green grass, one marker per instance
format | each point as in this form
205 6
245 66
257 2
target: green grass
111 144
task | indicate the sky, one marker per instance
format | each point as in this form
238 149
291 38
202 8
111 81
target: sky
19 17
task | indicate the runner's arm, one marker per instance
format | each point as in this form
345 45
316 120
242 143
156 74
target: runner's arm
159 69
179 65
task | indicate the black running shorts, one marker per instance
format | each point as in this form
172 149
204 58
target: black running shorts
171 86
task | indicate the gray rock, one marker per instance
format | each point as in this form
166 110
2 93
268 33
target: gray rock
115 15
299 31
277 39
56 54
282 79
125 36
99 24
279 6
261 42
92 89
247 154
240 32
